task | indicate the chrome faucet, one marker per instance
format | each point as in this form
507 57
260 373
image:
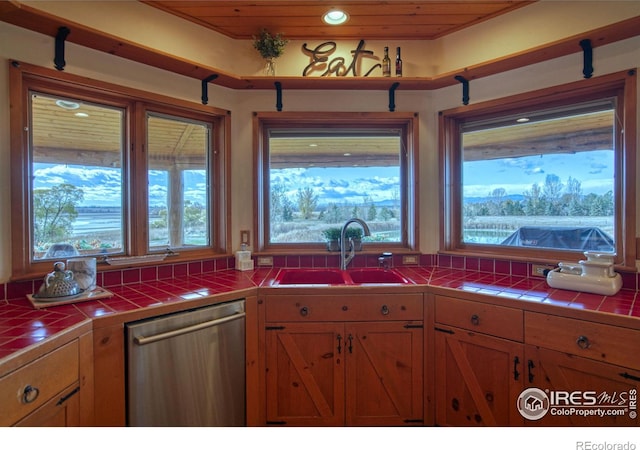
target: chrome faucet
344 259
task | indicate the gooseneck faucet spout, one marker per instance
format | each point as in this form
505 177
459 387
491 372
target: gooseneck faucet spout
344 259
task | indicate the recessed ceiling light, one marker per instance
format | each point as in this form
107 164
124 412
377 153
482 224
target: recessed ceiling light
347 154
81 114
67 105
335 17
522 120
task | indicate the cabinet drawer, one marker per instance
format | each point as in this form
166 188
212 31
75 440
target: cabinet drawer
47 376
616 345
481 317
314 308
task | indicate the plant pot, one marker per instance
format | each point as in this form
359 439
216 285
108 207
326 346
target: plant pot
333 245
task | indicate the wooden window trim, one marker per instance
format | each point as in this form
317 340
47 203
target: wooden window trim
409 180
625 195
22 76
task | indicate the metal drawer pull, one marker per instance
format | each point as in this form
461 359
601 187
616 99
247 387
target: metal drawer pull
142 340
304 311
475 319
68 396
30 394
583 342
384 310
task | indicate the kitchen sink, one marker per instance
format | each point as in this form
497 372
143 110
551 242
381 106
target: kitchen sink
376 276
310 276
338 277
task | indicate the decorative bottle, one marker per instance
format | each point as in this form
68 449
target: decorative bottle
398 63
386 63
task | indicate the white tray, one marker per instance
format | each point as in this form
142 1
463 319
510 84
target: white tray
42 302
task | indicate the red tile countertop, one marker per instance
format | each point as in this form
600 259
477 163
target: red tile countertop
22 326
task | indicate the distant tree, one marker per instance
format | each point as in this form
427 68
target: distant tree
572 199
307 202
54 211
386 214
372 213
287 209
496 199
533 201
551 192
195 215
333 214
512 208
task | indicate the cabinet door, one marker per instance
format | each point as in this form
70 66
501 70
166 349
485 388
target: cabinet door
384 374
305 374
478 379
587 392
61 411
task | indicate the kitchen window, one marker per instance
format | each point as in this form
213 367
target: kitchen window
545 175
105 171
317 170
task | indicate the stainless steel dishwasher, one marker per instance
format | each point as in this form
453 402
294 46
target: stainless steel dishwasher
188 368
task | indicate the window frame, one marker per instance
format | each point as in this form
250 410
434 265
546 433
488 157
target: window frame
25 78
408 122
621 85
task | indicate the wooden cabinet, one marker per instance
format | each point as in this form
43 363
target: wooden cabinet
590 372
44 392
478 363
322 368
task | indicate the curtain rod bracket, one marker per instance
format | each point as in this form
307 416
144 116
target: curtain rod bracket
205 88
58 59
278 86
392 96
465 88
587 51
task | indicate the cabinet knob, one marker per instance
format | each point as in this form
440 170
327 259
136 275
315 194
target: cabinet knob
30 394
583 342
475 319
304 311
384 310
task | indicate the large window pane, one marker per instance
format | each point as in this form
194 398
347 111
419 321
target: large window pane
545 180
178 182
318 179
76 172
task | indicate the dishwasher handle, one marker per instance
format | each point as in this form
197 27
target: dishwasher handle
143 340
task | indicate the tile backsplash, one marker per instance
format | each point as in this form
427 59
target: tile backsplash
118 277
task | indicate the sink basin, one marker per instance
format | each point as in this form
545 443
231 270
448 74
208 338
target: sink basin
376 276
310 276
338 277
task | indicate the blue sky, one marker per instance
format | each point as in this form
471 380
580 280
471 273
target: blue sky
336 185
102 186
594 170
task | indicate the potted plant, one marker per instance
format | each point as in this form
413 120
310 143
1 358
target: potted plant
332 235
356 236
270 48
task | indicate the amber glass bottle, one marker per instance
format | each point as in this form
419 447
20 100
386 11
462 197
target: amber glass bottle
386 63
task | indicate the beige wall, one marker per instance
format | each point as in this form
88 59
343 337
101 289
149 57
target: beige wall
27 46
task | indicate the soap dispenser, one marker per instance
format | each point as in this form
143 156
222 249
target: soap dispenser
243 258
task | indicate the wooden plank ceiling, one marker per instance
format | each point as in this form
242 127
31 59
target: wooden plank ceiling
59 131
372 20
